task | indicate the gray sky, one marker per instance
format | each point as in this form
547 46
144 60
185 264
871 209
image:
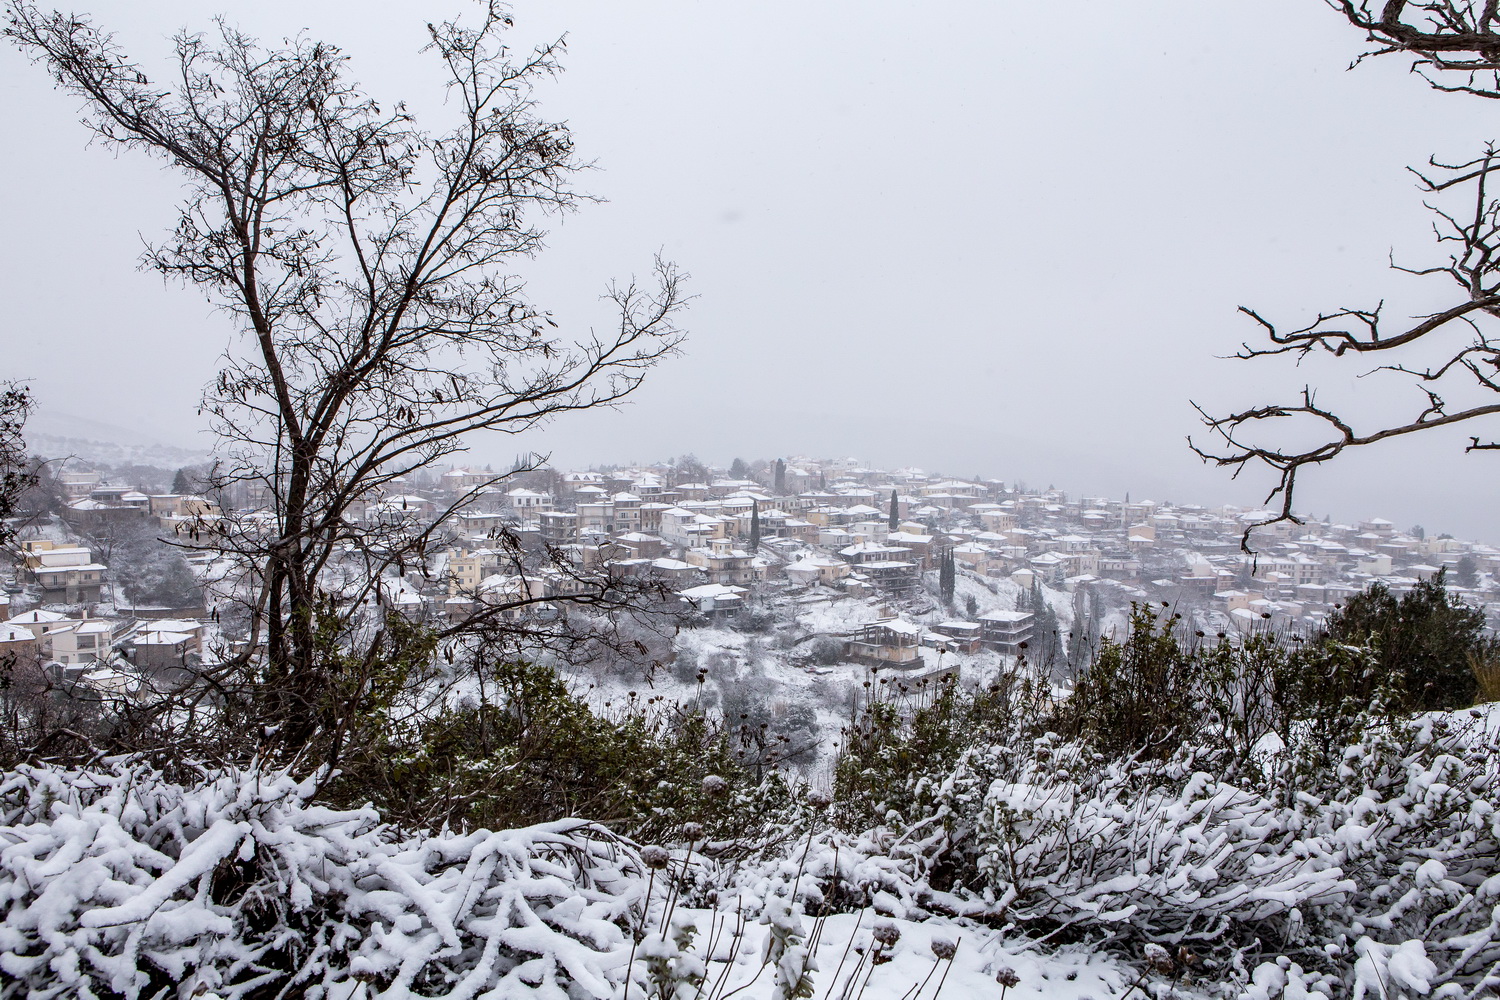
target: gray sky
978 237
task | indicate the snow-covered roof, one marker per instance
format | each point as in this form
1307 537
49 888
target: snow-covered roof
868 547
162 638
37 617
1006 616
896 625
712 590
402 500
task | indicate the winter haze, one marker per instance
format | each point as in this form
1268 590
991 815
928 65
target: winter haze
981 238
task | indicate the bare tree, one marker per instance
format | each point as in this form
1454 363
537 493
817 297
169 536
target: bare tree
367 262
688 469
1456 48
16 474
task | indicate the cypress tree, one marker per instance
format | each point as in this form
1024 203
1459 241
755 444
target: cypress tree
754 526
780 477
947 578
895 519
1045 638
1466 573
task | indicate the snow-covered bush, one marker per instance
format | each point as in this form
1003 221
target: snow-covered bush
119 883
1390 869
1252 802
1385 881
827 871
906 739
1157 852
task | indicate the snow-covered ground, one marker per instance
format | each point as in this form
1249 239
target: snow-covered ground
917 965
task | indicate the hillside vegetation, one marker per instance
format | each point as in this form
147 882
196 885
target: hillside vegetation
1243 818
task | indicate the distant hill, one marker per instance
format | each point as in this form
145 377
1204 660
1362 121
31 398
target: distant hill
53 434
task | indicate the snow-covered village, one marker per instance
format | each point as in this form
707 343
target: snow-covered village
541 500
786 583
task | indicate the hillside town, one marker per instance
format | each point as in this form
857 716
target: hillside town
850 559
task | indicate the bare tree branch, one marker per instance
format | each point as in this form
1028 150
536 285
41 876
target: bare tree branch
1457 380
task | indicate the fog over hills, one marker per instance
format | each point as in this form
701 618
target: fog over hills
901 245
58 434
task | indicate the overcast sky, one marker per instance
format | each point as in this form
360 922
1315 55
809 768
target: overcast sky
977 237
